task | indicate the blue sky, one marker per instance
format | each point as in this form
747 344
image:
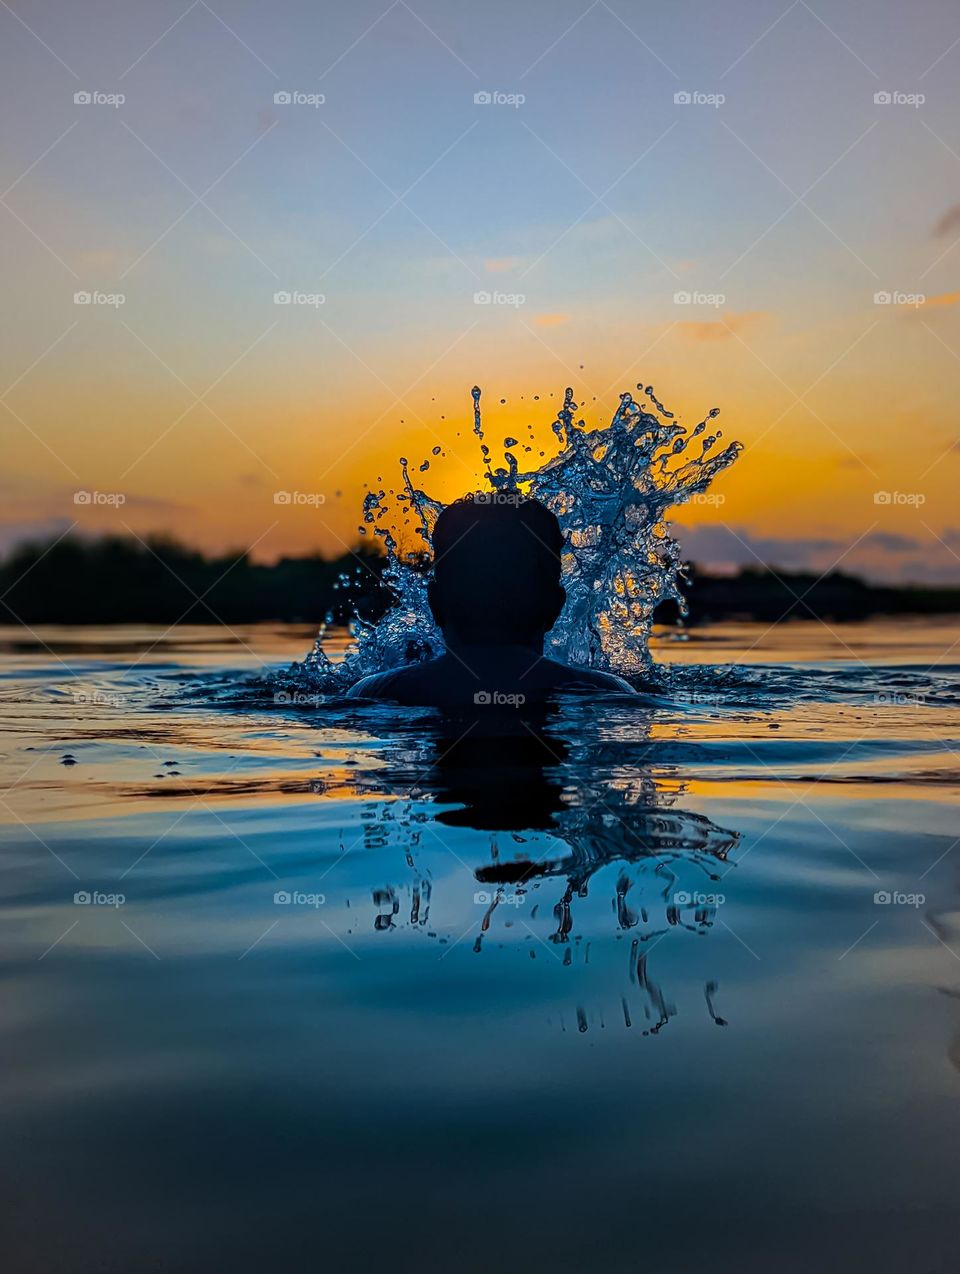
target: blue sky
597 199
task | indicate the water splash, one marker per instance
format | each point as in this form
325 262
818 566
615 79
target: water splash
610 488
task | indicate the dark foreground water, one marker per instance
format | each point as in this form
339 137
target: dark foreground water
659 985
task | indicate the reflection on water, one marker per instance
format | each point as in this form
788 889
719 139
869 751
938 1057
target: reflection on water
558 816
379 975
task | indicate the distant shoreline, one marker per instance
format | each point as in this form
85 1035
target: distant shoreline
118 580
767 593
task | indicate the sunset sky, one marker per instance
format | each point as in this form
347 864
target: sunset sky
782 210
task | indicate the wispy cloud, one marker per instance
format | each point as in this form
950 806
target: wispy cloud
720 329
945 298
923 308
881 555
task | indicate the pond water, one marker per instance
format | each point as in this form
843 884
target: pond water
630 985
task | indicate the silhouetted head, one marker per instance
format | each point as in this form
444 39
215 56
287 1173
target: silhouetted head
496 573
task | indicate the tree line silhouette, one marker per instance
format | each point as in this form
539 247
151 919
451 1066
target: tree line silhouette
119 579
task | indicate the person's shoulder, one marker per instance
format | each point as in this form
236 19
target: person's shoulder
387 685
374 686
575 678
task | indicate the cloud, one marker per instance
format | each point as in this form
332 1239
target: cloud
737 546
882 555
550 320
949 222
498 265
893 543
40 502
82 519
943 301
721 329
945 298
37 507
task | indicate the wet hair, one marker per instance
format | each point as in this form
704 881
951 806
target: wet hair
497 568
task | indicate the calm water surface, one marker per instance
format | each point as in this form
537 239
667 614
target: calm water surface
652 985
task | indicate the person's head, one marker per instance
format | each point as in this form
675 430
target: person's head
496 574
